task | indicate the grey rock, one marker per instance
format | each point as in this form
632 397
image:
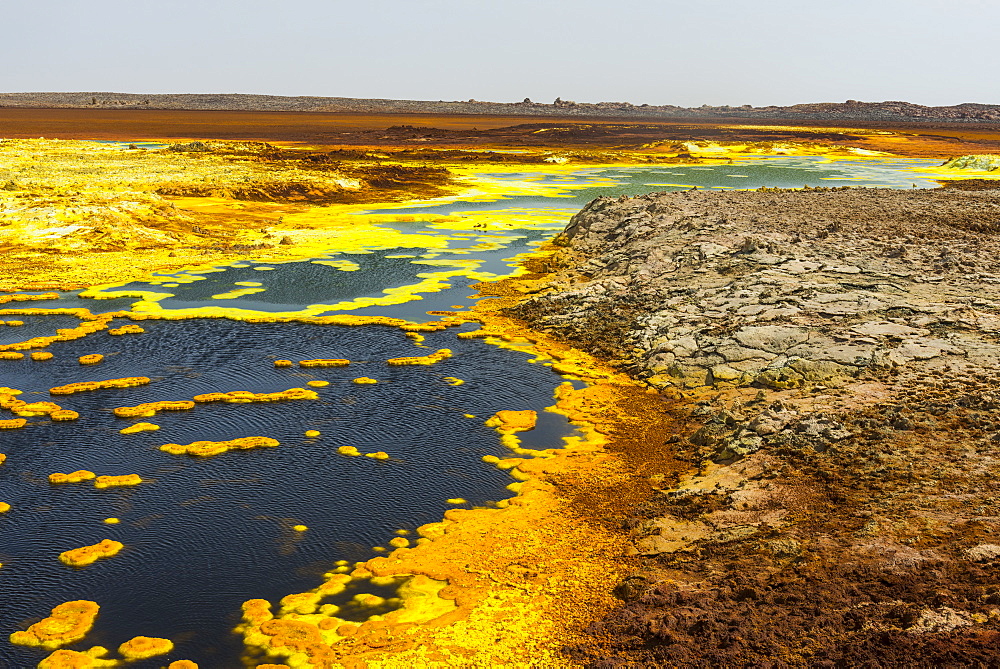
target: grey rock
983 553
773 338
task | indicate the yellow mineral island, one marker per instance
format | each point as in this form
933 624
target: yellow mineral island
131 328
86 555
68 623
142 647
117 481
127 382
139 427
72 659
208 448
149 409
437 356
508 422
245 396
75 477
325 362
91 359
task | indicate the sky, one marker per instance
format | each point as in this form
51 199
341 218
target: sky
715 52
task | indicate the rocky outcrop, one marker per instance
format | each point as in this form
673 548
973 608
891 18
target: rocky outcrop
779 289
834 358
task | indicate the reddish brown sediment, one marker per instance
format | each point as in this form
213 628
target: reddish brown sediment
930 139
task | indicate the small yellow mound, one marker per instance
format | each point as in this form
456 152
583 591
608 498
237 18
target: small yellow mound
245 396
437 356
185 664
453 380
141 647
68 623
41 355
208 448
64 414
399 542
25 297
4 507
364 380
112 521
22 408
139 427
507 422
299 528
479 334
75 477
3 457
91 359
318 384
148 409
85 555
312 433
378 455
11 355
283 363
348 450
369 600
116 481
131 328
72 659
325 362
127 382
12 423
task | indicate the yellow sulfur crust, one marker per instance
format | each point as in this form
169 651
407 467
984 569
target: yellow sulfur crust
68 623
87 555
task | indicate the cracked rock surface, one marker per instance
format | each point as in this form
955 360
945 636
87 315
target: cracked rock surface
779 288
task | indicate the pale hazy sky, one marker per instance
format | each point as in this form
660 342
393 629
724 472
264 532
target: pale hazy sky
655 51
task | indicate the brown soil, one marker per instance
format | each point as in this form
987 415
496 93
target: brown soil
476 131
871 567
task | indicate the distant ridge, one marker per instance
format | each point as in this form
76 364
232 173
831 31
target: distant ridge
850 110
